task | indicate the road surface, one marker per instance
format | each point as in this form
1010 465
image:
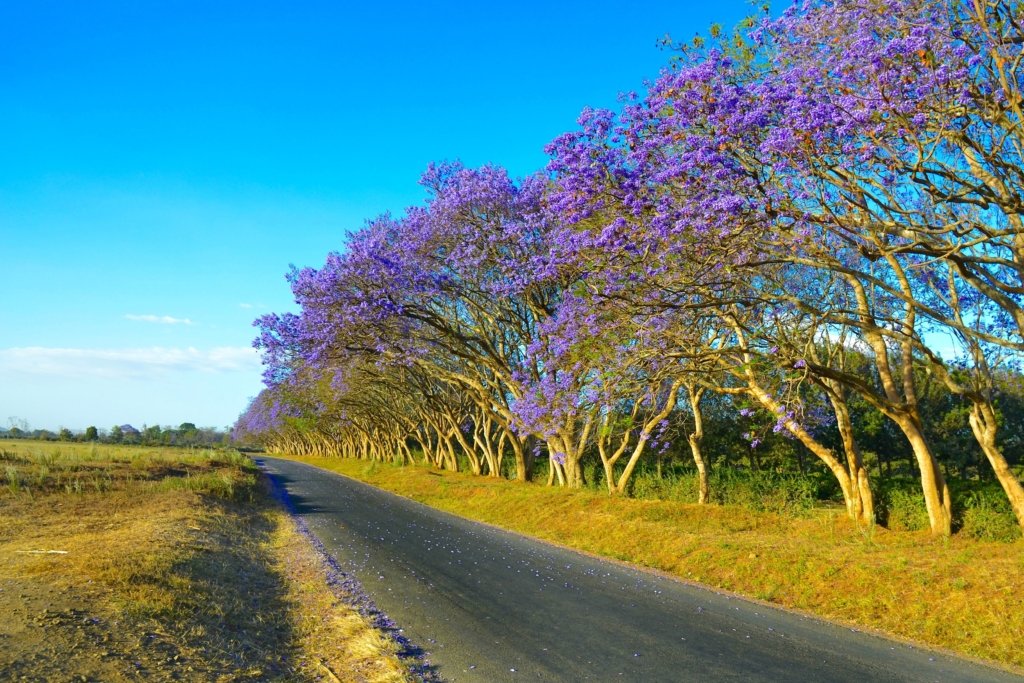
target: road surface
489 605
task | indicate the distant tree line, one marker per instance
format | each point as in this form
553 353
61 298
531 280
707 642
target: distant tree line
185 434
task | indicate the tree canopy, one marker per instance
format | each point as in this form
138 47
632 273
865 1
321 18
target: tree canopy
807 235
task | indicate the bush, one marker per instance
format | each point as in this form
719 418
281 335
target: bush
900 506
593 475
764 491
980 509
677 486
986 515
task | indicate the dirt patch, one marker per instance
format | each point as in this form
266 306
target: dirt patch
110 588
49 635
160 583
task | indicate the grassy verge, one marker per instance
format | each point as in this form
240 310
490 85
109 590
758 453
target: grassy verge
121 563
334 641
960 594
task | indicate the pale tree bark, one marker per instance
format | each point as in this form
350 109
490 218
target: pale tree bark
448 459
901 405
645 435
570 445
695 394
861 504
483 439
471 455
983 424
523 457
604 438
502 440
847 483
982 417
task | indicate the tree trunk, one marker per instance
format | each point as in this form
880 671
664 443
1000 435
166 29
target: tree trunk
471 456
861 505
846 483
983 424
524 459
570 447
695 395
645 434
608 460
450 462
704 490
933 484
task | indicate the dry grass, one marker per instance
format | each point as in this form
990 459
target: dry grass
959 594
333 638
170 565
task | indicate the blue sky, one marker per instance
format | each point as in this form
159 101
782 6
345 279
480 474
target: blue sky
164 162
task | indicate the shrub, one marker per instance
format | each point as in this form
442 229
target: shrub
755 490
900 506
593 475
987 516
766 491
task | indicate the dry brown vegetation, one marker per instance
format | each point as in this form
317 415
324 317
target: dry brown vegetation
956 593
161 564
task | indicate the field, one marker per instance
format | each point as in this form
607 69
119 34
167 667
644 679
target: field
122 563
959 594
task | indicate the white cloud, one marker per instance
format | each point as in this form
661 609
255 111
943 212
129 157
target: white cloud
160 319
127 363
245 306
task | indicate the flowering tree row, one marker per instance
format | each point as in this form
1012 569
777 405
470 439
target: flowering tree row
811 210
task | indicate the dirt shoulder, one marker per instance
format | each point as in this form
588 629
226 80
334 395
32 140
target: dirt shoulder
163 583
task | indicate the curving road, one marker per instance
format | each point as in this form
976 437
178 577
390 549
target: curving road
489 605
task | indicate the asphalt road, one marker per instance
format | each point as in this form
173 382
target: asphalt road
489 605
